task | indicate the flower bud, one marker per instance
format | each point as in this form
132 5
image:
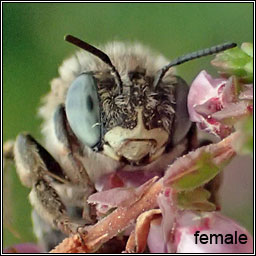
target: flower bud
236 61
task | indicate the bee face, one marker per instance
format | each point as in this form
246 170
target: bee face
137 122
134 125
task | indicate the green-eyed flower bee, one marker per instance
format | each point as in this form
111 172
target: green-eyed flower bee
114 117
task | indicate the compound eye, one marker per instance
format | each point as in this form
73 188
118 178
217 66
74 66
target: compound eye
83 110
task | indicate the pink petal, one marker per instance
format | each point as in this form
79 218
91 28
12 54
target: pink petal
120 196
232 110
155 240
190 222
229 93
201 90
23 248
215 224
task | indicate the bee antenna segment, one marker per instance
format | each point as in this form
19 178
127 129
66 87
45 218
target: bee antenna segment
101 55
192 56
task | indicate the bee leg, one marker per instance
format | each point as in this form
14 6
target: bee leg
72 149
47 236
8 150
39 170
49 206
71 152
33 162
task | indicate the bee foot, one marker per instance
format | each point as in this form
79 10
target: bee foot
81 232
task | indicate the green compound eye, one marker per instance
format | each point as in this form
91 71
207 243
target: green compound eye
83 111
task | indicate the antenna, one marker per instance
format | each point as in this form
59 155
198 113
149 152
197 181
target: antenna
101 55
192 56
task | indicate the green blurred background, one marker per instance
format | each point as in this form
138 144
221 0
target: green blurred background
33 48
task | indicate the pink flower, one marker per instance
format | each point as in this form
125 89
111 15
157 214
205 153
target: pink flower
23 248
211 233
215 104
197 232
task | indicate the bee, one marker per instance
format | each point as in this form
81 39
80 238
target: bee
114 117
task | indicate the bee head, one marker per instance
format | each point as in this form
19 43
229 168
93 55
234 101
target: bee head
133 120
